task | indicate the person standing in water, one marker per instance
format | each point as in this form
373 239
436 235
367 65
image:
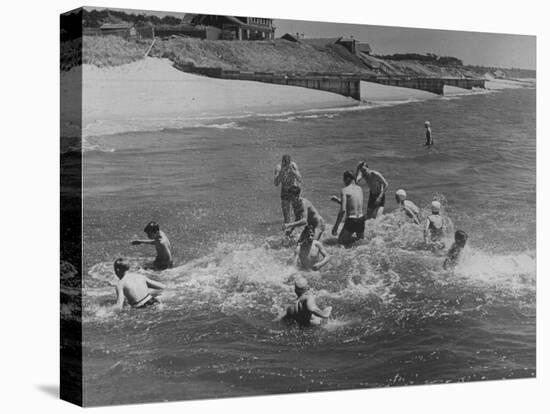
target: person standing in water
429 138
305 311
157 238
306 214
377 189
410 209
433 230
310 253
137 289
287 175
351 211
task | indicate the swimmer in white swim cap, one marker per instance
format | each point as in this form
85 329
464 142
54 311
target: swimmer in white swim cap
410 209
433 231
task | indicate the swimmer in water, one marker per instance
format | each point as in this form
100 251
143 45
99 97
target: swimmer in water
304 311
162 245
377 189
410 209
433 231
454 252
306 215
137 289
351 211
310 253
429 139
287 175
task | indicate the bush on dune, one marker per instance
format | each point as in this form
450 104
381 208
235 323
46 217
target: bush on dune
104 51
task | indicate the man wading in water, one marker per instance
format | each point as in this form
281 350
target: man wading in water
377 189
351 209
288 176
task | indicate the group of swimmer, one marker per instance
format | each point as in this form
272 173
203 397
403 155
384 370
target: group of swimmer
310 252
140 291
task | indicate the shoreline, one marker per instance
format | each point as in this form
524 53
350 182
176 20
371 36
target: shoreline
151 94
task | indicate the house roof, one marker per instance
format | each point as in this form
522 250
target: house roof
321 42
363 47
290 37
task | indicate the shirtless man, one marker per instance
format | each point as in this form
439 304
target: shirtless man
162 245
351 209
310 253
305 311
377 189
137 289
410 209
433 230
306 215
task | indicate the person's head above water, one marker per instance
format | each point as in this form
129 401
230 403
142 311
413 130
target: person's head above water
152 229
427 124
121 266
308 234
436 207
460 238
348 177
286 160
300 286
400 195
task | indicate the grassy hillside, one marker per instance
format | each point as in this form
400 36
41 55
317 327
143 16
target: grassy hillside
264 56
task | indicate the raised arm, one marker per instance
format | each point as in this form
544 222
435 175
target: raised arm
323 253
277 179
313 308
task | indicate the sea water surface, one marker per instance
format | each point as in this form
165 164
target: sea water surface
398 318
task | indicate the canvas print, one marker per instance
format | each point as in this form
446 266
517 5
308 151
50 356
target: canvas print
256 206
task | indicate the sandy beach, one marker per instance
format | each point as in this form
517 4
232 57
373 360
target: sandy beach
152 95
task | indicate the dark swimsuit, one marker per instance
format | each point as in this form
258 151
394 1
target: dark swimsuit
372 201
146 302
355 225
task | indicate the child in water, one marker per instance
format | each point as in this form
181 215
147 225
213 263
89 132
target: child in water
433 231
310 252
410 209
162 245
305 311
137 289
454 252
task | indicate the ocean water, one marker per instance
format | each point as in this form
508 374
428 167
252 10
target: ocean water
398 318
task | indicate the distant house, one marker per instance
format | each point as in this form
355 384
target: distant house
234 27
348 43
363 48
118 29
321 43
290 37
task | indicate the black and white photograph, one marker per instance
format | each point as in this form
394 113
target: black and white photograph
255 206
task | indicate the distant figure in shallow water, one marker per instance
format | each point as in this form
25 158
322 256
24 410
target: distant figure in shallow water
454 252
410 209
429 139
137 289
310 253
433 231
377 189
305 311
287 175
162 245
